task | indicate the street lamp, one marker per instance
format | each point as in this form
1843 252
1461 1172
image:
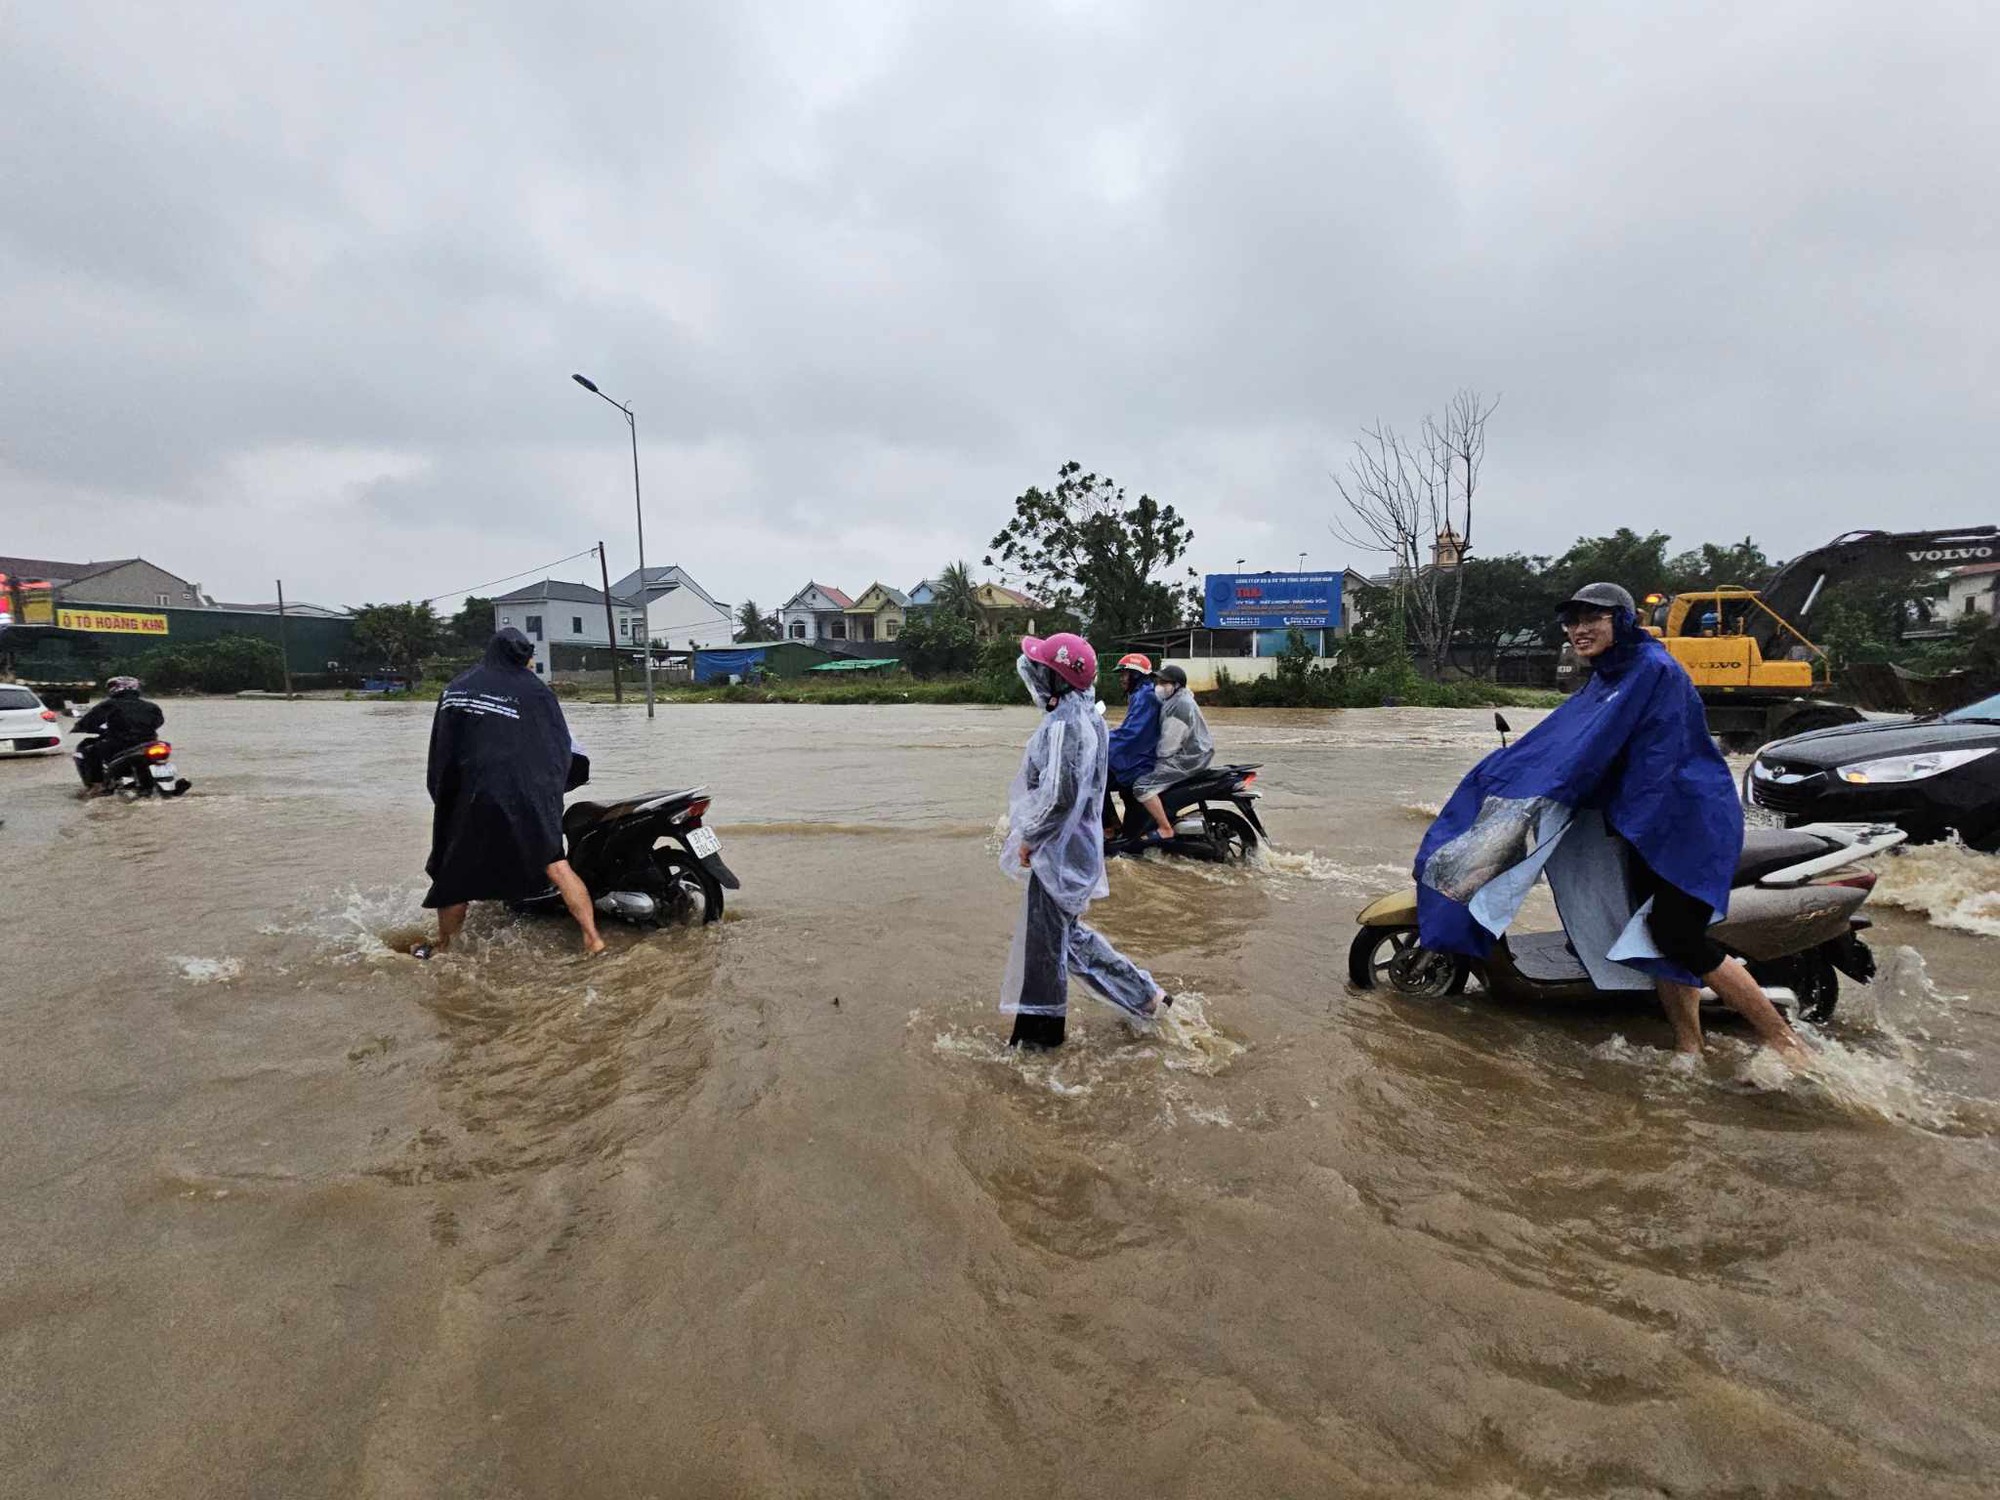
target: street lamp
640 511
1302 562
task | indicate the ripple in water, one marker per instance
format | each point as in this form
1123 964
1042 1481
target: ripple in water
1948 884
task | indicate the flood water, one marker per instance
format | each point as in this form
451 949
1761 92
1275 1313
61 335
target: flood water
768 1209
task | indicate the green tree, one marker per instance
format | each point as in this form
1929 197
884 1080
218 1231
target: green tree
1503 597
752 624
1710 566
1086 552
956 594
1624 557
227 664
472 627
1866 619
401 635
935 643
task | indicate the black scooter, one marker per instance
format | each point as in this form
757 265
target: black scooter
1214 813
646 859
142 770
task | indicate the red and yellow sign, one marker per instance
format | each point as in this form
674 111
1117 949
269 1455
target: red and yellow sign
111 621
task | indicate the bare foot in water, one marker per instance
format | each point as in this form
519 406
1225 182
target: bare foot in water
1153 1006
592 945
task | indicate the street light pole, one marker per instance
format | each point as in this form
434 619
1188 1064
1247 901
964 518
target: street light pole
639 510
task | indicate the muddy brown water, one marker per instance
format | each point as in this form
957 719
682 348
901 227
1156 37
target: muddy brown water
285 1214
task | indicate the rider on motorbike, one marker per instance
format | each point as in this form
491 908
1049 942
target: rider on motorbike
1185 749
1133 742
1622 800
121 721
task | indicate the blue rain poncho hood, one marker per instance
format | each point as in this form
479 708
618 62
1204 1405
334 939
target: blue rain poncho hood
1628 754
501 757
1137 736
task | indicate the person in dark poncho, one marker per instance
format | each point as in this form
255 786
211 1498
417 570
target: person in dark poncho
1622 800
499 764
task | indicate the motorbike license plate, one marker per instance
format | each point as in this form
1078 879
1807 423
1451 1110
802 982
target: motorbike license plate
702 842
164 772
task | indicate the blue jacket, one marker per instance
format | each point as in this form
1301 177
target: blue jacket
1134 742
1632 744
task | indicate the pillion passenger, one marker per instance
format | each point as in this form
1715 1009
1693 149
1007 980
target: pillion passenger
1186 748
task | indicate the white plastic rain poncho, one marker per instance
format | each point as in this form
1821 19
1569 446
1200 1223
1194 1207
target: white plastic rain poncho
1186 747
1053 809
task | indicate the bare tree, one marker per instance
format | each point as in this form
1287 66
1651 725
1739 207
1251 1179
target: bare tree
1405 498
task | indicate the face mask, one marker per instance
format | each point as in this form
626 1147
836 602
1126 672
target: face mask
1166 691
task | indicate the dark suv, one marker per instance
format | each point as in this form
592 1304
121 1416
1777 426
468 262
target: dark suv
1928 776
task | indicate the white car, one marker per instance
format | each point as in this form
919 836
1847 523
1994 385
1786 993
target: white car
27 725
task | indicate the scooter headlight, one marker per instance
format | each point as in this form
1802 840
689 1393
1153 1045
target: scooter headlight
1920 767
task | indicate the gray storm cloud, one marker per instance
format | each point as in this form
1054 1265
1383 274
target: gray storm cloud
298 293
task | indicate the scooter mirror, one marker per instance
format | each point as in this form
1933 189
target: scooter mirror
1500 723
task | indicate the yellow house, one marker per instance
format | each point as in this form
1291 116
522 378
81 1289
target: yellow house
1003 611
878 614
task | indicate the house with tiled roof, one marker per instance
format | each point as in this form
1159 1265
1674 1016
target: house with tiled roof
878 614
129 582
816 614
1972 590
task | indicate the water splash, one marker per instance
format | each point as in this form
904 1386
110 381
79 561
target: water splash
1948 884
208 970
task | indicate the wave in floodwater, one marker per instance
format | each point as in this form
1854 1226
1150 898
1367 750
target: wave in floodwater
208 970
1874 1061
1947 884
1184 1040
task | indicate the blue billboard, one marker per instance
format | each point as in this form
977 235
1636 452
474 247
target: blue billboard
1271 601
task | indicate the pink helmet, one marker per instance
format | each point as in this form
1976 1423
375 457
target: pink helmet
1068 656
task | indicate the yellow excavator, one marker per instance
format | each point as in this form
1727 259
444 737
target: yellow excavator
1759 674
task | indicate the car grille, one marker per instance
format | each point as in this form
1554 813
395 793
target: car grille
1789 797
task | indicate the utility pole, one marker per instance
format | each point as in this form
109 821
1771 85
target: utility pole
284 652
610 625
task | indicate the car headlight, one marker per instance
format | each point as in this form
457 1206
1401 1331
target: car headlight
1909 767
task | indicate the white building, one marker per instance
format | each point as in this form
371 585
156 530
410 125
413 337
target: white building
681 615
1970 591
572 613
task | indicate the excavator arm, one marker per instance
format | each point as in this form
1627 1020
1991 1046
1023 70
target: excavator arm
1798 585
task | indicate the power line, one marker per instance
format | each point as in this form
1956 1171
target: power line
524 573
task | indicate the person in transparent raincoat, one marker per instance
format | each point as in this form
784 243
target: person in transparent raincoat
1055 844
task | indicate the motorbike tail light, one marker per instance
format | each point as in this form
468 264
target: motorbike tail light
49 714
159 750
1248 777
696 809
1860 880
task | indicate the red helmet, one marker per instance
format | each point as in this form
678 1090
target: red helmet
1068 656
1132 661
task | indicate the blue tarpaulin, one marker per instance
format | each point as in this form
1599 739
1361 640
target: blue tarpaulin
722 664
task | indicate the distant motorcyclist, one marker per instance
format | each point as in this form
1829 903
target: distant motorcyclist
122 721
1185 749
1133 742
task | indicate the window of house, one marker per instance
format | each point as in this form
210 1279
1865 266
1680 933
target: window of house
533 626
1972 605
163 600
576 624
798 630
889 630
837 631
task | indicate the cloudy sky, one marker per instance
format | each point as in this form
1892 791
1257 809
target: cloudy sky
297 290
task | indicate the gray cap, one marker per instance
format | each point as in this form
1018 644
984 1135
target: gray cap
1599 596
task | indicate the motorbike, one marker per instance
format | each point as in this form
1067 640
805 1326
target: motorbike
1214 814
1791 919
647 859
142 770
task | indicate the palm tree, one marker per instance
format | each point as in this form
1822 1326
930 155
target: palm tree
752 624
956 594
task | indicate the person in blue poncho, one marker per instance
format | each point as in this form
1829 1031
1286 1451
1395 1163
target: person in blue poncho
1134 743
1621 799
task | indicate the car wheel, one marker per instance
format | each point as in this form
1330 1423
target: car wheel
1391 958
